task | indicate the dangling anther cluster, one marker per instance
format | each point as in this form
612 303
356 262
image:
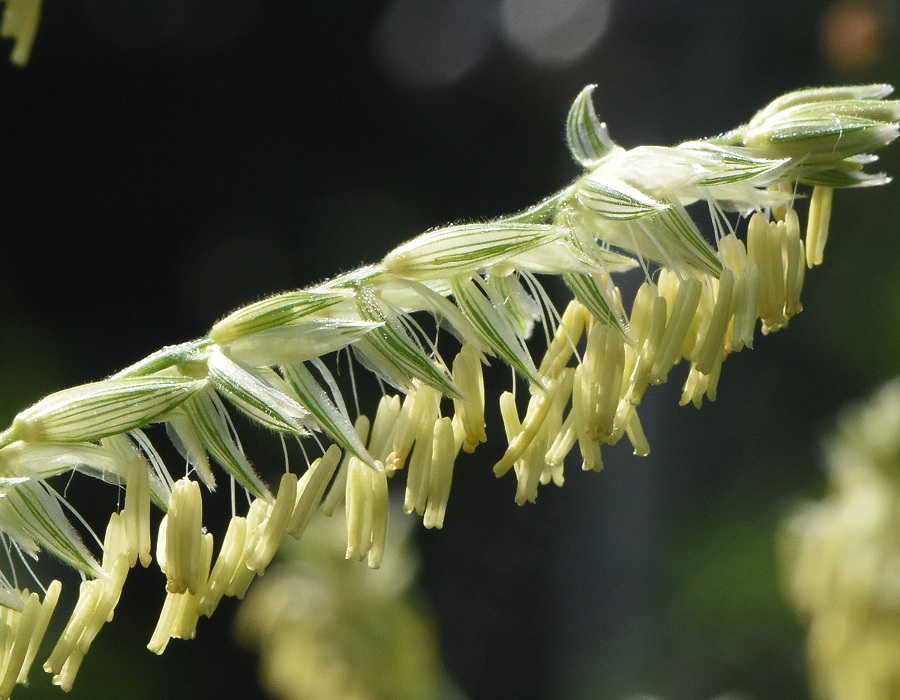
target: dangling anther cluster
630 209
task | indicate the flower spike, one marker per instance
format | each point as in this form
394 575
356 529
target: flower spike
700 301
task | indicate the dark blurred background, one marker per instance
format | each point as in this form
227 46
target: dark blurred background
164 161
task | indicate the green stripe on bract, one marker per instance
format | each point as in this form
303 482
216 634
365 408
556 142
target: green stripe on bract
735 164
314 398
297 342
840 177
586 136
690 248
38 514
807 96
589 293
614 199
876 111
255 397
169 356
185 439
391 340
92 411
492 330
273 312
466 249
206 412
519 307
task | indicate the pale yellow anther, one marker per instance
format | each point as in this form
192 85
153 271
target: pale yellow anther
533 467
103 599
694 388
529 470
563 443
420 407
459 429
231 556
580 415
554 423
379 445
653 307
697 385
793 254
180 611
683 307
51 598
527 476
416 496
635 431
509 415
88 595
817 224
115 541
338 489
65 679
426 412
180 539
733 254
22 626
711 346
667 284
592 459
97 600
565 339
311 488
746 303
745 295
367 512
642 313
243 574
467 376
600 384
167 621
137 512
538 408
380 508
272 531
690 345
765 251
440 477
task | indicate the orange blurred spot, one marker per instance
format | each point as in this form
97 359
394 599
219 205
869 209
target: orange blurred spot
852 34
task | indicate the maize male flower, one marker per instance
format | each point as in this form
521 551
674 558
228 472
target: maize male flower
700 301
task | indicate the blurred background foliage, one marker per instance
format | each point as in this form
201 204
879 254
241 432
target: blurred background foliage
841 557
163 161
